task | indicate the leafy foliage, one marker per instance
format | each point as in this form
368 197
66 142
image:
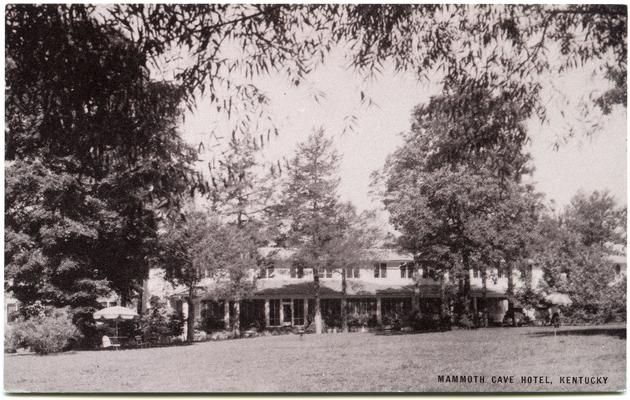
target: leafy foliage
573 250
92 153
328 234
596 219
461 209
48 332
499 48
158 321
198 246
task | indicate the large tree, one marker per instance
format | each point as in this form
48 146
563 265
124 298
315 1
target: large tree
199 246
92 152
459 209
597 219
311 212
574 247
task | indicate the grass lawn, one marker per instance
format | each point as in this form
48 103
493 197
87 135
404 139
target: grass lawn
339 362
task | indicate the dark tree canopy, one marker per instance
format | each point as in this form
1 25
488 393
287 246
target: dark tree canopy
92 152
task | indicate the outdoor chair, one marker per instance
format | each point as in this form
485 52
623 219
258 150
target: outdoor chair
107 343
139 342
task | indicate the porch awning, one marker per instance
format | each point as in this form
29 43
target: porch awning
491 294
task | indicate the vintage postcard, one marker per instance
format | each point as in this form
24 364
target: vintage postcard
315 198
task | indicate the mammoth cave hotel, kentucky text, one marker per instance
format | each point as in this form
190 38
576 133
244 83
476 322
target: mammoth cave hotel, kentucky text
525 379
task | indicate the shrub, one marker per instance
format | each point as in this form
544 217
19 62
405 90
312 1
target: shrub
84 321
209 322
464 321
158 321
48 333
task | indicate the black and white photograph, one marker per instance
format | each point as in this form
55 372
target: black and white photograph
315 198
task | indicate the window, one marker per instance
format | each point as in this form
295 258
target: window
352 272
618 269
362 306
380 270
297 272
12 314
298 311
267 272
476 273
406 270
325 272
274 312
500 273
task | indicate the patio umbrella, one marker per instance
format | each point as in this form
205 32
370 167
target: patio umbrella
559 299
116 313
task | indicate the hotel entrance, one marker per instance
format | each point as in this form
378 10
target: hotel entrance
287 312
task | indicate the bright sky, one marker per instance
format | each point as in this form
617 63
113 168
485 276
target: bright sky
590 163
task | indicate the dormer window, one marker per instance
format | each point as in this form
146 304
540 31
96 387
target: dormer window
296 271
407 270
325 273
352 272
266 272
380 270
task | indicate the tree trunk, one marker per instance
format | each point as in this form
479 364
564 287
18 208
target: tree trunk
510 293
190 321
467 296
484 297
443 304
344 294
140 305
237 317
318 310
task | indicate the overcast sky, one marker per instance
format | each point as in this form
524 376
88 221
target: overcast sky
596 162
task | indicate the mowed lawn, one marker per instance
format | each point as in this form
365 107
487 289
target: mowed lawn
338 362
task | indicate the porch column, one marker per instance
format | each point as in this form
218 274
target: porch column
267 313
237 316
415 299
281 313
379 317
226 314
185 317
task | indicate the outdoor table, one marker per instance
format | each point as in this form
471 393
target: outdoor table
118 340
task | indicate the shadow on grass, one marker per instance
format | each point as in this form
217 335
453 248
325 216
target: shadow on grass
617 332
399 333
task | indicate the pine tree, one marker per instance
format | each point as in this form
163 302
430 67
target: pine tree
310 208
